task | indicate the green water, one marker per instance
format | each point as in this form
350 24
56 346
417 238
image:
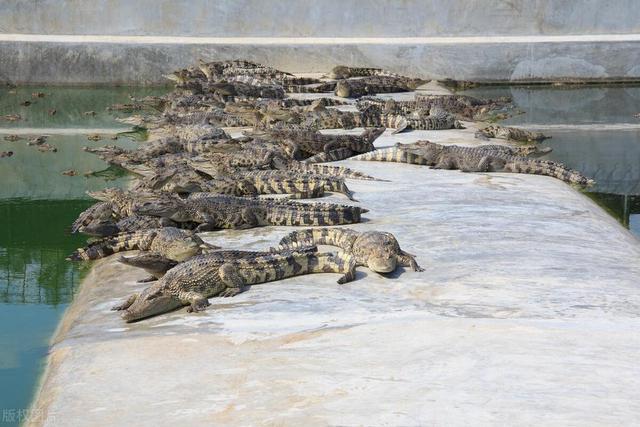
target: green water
37 205
593 130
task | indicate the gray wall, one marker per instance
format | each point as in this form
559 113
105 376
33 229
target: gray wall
225 23
320 18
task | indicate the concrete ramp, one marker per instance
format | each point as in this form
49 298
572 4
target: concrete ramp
527 313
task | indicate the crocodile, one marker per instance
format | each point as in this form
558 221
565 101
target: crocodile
157 264
213 211
170 242
474 159
462 106
193 282
302 182
510 133
307 143
355 88
377 250
343 72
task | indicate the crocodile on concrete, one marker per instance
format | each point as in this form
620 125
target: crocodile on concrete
473 159
510 133
214 211
377 250
170 242
194 281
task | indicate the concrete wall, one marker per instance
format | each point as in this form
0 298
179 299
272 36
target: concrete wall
319 18
137 41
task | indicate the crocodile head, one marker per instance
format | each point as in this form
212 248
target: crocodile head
152 301
342 89
151 262
377 250
339 72
163 207
183 249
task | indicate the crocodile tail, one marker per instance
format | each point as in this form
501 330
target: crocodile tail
337 171
331 156
389 154
302 188
110 245
552 169
341 237
338 186
314 217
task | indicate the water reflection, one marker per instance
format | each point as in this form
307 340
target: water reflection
33 247
608 152
37 205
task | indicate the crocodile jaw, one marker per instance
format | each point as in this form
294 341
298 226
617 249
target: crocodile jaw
150 304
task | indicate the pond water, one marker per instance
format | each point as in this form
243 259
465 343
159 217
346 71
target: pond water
37 205
593 130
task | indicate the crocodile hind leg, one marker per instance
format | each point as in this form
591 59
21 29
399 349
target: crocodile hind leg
230 277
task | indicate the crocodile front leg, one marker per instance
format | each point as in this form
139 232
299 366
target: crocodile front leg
197 302
126 304
407 260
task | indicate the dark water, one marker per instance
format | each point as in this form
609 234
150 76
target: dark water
37 205
594 130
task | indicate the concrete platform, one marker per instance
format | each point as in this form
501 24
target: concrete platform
527 314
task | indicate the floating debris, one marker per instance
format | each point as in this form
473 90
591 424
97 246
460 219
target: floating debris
52 112
4 154
125 108
89 113
47 147
114 137
94 137
69 172
637 115
38 95
12 117
38 140
25 103
12 138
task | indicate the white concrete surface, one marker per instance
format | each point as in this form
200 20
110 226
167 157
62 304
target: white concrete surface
527 314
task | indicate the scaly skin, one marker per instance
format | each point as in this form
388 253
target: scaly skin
326 170
462 106
169 242
344 72
377 250
302 182
194 281
157 265
216 212
355 88
310 142
510 133
474 159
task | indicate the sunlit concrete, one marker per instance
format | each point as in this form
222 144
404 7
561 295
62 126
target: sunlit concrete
527 313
